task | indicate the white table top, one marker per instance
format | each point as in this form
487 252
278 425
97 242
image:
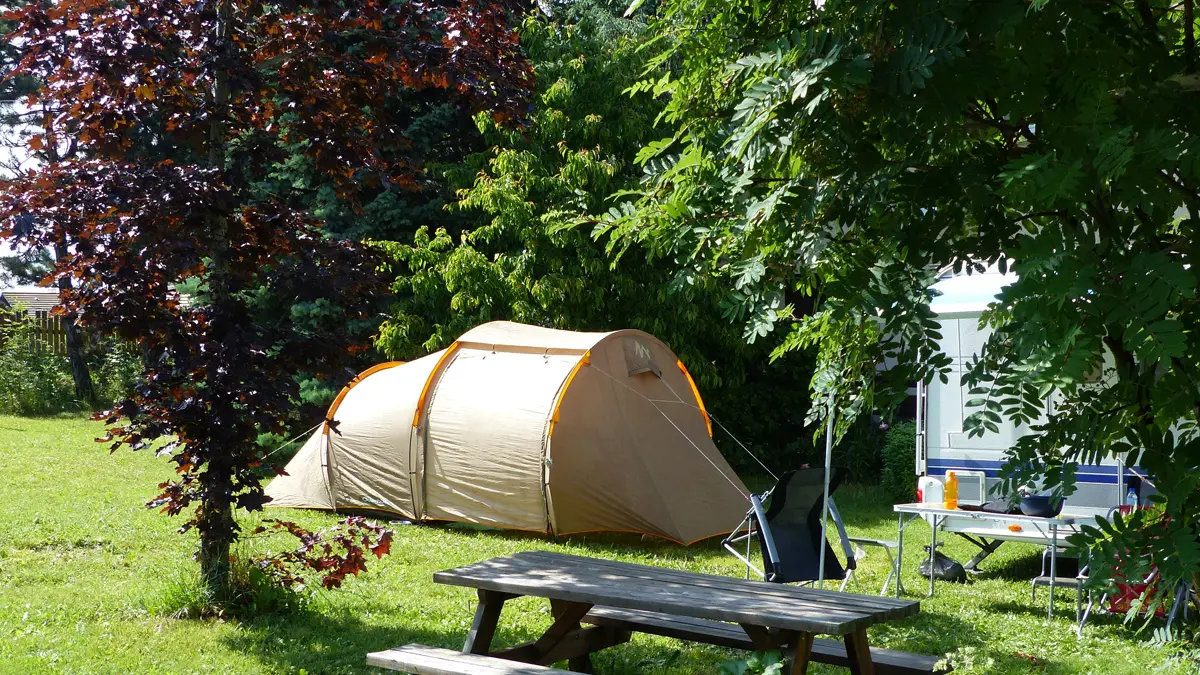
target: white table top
1062 520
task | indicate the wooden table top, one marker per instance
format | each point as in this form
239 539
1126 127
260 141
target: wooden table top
704 596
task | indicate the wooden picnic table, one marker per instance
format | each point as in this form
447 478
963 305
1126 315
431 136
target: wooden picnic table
621 598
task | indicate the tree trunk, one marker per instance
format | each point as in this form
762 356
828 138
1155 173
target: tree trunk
84 389
217 532
217 527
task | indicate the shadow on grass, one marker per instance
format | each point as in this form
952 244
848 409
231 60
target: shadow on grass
327 640
933 633
323 639
596 542
865 506
862 501
338 641
1025 567
1064 608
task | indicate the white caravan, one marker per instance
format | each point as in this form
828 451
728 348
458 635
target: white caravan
943 446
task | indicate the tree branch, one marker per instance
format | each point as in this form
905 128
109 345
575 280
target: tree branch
1189 35
1189 195
1122 359
1143 217
1012 132
1149 21
1040 214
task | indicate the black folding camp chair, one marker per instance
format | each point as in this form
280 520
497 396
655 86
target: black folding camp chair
788 531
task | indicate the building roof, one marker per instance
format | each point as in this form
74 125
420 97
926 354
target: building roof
38 299
34 298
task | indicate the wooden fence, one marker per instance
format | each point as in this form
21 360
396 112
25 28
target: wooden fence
49 333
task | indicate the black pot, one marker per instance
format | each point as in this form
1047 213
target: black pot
1041 506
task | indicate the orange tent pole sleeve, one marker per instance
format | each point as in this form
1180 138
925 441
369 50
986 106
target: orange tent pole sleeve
584 360
357 378
696 393
437 368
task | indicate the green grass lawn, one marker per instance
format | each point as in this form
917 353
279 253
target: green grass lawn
87 575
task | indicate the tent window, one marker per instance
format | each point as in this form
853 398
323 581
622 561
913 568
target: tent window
638 357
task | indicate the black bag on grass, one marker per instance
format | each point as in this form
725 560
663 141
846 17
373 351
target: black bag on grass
945 568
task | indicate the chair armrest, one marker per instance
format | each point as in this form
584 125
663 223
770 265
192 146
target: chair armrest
847 549
770 567
875 542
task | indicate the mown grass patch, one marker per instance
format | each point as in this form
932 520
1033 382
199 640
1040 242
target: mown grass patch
93 582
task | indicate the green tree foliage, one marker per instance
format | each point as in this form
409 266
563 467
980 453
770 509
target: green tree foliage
851 150
519 263
437 130
526 262
434 127
11 88
25 268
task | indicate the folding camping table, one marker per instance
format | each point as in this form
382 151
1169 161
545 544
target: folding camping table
987 531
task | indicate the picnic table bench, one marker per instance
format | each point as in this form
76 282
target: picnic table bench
598 604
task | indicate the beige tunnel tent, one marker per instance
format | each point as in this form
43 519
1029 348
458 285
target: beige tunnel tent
526 428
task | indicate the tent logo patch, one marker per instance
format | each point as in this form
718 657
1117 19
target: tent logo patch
638 357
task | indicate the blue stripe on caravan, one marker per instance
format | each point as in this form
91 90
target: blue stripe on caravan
986 465
1087 473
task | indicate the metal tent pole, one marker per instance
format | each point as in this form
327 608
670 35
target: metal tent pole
1121 481
920 414
825 502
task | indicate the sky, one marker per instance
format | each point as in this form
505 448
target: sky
14 155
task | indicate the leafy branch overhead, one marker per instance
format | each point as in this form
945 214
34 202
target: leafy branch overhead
852 152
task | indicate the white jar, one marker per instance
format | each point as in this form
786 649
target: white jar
932 493
931 490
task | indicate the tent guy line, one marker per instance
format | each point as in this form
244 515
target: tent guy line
724 428
681 432
294 439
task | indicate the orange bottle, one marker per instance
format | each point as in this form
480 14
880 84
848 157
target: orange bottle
950 501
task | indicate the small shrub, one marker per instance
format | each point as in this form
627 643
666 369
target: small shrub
32 381
758 663
966 661
255 591
900 462
39 382
252 592
859 452
181 597
117 371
